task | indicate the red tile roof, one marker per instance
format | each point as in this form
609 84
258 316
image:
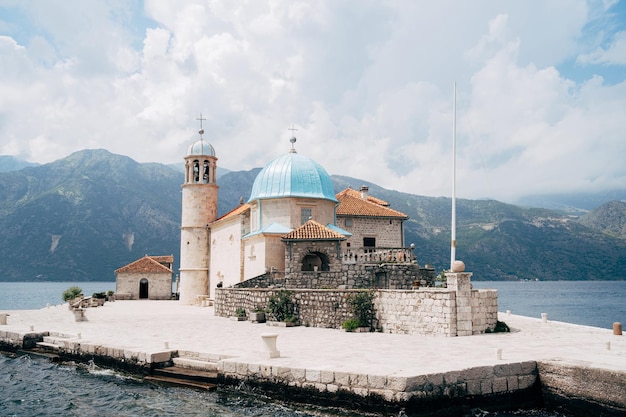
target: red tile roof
312 230
354 193
164 259
351 204
147 264
240 209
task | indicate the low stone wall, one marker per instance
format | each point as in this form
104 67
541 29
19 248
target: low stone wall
474 382
581 389
316 308
484 310
427 311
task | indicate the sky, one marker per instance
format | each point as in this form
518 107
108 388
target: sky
369 85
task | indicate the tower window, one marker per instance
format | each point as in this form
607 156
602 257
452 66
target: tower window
306 213
348 222
205 173
196 171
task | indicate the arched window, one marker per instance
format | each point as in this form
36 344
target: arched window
205 172
196 171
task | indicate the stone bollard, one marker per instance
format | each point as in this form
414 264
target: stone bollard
608 345
3 318
508 312
544 317
166 345
32 328
499 354
79 314
270 343
617 328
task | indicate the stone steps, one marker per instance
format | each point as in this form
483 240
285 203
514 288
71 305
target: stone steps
48 346
195 364
180 382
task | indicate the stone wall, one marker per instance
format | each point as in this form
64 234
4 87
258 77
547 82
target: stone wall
159 284
421 390
352 275
428 311
484 310
425 312
388 233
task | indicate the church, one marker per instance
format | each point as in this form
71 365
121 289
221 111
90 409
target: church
293 231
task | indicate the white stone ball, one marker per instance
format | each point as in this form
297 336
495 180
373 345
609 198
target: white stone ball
458 266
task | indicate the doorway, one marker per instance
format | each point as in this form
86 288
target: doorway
143 288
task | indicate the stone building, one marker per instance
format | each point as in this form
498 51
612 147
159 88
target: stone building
147 278
292 226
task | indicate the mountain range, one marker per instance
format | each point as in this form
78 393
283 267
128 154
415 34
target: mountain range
83 216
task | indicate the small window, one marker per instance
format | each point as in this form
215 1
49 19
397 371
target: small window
306 213
205 173
348 222
369 242
196 171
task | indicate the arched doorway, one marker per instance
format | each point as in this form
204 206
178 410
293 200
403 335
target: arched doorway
143 288
315 261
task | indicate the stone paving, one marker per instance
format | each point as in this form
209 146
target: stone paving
150 325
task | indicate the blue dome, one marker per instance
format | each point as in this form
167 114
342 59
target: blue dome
292 175
201 148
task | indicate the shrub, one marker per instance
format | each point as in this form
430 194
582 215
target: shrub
71 293
500 327
240 312
362 305
98 295
350 325
281 307
110 293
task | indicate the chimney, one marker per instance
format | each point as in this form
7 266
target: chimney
364 190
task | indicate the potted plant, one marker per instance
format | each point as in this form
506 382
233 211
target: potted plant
99 297
72 295
240 314
257 316
110 295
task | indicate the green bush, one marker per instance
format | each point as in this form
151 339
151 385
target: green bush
362 305
240 312
500 327
350 325
71 293
281 306
99 295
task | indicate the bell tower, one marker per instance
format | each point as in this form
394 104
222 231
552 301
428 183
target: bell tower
199 208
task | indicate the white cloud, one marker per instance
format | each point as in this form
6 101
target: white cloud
367 83
614 54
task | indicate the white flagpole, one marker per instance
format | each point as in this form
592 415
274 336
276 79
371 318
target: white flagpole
453 226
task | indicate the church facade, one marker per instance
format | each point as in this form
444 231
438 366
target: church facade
292 229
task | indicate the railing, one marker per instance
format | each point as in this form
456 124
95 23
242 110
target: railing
379 255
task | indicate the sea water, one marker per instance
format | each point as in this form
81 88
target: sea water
34 387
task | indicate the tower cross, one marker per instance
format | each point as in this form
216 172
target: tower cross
201 131
293 129
201 119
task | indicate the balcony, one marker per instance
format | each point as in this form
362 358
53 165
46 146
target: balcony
379 256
